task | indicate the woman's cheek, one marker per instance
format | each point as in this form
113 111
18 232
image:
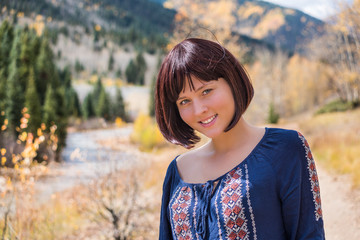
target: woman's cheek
185 115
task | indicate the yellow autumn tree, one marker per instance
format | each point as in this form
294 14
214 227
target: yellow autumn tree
339 50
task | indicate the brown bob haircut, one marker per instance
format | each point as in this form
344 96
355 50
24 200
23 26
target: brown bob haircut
205 60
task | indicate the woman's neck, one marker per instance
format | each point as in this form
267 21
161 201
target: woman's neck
239 136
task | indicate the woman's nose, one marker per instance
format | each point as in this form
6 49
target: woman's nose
199 107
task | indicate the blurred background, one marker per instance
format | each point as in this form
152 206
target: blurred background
81 155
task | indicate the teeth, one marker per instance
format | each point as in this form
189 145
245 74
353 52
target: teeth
209 120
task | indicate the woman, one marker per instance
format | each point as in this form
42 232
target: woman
247 182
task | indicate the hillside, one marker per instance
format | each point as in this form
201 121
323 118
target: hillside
282 27
85 33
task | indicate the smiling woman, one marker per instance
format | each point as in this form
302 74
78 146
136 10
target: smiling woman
247 182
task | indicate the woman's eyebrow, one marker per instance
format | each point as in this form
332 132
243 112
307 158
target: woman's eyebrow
196 90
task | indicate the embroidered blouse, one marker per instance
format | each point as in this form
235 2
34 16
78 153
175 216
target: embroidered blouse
272 194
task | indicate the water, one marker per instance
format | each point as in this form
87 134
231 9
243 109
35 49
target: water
85 159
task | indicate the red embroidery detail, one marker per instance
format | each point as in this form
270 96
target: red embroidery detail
313 177
180 209
234 217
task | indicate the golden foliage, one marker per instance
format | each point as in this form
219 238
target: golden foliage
270 23
119 122
249 9
146 133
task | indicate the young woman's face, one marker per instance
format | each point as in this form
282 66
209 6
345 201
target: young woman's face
208 108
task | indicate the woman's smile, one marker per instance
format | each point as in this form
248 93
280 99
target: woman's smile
209 121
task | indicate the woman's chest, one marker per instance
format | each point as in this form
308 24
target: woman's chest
220 210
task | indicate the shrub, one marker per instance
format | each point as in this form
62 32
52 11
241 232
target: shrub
273 115
146 133
336 106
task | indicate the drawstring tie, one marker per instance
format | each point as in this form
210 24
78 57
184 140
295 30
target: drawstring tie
204 204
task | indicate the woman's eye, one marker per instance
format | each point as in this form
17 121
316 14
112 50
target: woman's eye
207 91
183 102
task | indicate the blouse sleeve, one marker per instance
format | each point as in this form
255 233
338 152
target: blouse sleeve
300 192
165 227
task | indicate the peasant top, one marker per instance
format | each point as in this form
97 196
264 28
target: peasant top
272 194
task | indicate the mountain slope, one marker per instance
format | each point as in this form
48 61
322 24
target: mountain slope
146 17
280 26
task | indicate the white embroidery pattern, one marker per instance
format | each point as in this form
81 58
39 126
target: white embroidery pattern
234 217
194 215
180 214
217 214
249 202
313 177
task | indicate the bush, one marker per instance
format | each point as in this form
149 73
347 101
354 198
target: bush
336 106
146 133
273 115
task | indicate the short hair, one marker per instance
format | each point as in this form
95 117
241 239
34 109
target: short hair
205 60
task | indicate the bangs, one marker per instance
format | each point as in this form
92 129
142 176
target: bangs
185 63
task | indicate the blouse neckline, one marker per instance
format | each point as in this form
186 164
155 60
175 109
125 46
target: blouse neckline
246 159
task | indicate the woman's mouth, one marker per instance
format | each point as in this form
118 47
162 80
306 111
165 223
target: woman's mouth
209 120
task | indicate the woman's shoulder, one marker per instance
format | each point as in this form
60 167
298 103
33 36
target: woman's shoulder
187 158
284 137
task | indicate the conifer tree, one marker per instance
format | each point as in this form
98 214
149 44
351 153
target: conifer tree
119 106
141 65
6 39
111 62
26 57
32 103
2 95
103 105
49 108
97 90
45 69
135 71
61 115
15 93
131 72
88 107
72 102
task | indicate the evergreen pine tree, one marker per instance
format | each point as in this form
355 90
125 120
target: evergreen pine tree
119 105
32 103
26 57
131 72
45 69
72 102
2 95
88 107
15 93
6 39
111 62
49 108
103 105
141 65
135 70
61 116
98 89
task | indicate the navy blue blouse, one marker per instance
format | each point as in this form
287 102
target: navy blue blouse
273 194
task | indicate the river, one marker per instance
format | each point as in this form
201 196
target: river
84 159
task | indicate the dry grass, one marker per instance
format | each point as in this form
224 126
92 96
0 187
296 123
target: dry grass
335 140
